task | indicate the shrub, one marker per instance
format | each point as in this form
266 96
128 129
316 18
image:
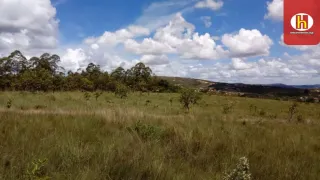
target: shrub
146 131
273 116
147 102
300 118
171 101
87 96
189 97
227 108
262 112
293 109
37 170
97 94
121 91
241 172
9 103
253 108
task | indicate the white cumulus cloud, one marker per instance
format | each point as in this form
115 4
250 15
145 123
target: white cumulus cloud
155 59
114 38
239 64
247 43
178 37
275 10
211 4
148 46
27 25
74 59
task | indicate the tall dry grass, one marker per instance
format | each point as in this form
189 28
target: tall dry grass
112 138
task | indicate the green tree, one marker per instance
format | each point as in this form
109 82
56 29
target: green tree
44 73
141 72
32 80
102 81
86 84
189 97
58 82
17 62
139 76
46 61
5 73
118 74
73 81
94 74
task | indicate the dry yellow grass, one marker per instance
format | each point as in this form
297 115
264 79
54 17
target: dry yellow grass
130 139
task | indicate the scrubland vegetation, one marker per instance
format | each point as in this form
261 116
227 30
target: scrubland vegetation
100 135
131 124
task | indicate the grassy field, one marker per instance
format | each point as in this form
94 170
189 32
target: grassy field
148 137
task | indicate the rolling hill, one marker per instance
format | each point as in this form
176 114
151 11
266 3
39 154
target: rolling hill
200 83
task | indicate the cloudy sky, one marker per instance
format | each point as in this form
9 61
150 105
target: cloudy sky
220 40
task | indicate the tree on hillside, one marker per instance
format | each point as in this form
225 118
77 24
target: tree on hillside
44 73
32 80
102 81
46 61
58 82
98 78
118 74
141 72
18 62
140 76
11 67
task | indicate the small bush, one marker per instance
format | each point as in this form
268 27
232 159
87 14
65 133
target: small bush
171 101
262 112
189 97
97 94
37 170
253 108
147 132
293 109
273 116
300 118
121 91
147 102
86 96
228 108
244 123
241 172
9 103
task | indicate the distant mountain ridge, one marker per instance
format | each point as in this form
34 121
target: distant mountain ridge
314 86
198 83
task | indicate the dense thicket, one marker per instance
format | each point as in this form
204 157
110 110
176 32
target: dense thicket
44 74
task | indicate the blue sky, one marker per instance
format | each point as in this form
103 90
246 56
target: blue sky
95 17
81 18
221 40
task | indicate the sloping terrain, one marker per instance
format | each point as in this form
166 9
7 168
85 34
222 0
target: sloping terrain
187 82
66 136
274 91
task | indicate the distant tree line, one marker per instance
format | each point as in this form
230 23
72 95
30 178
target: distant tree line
44 74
